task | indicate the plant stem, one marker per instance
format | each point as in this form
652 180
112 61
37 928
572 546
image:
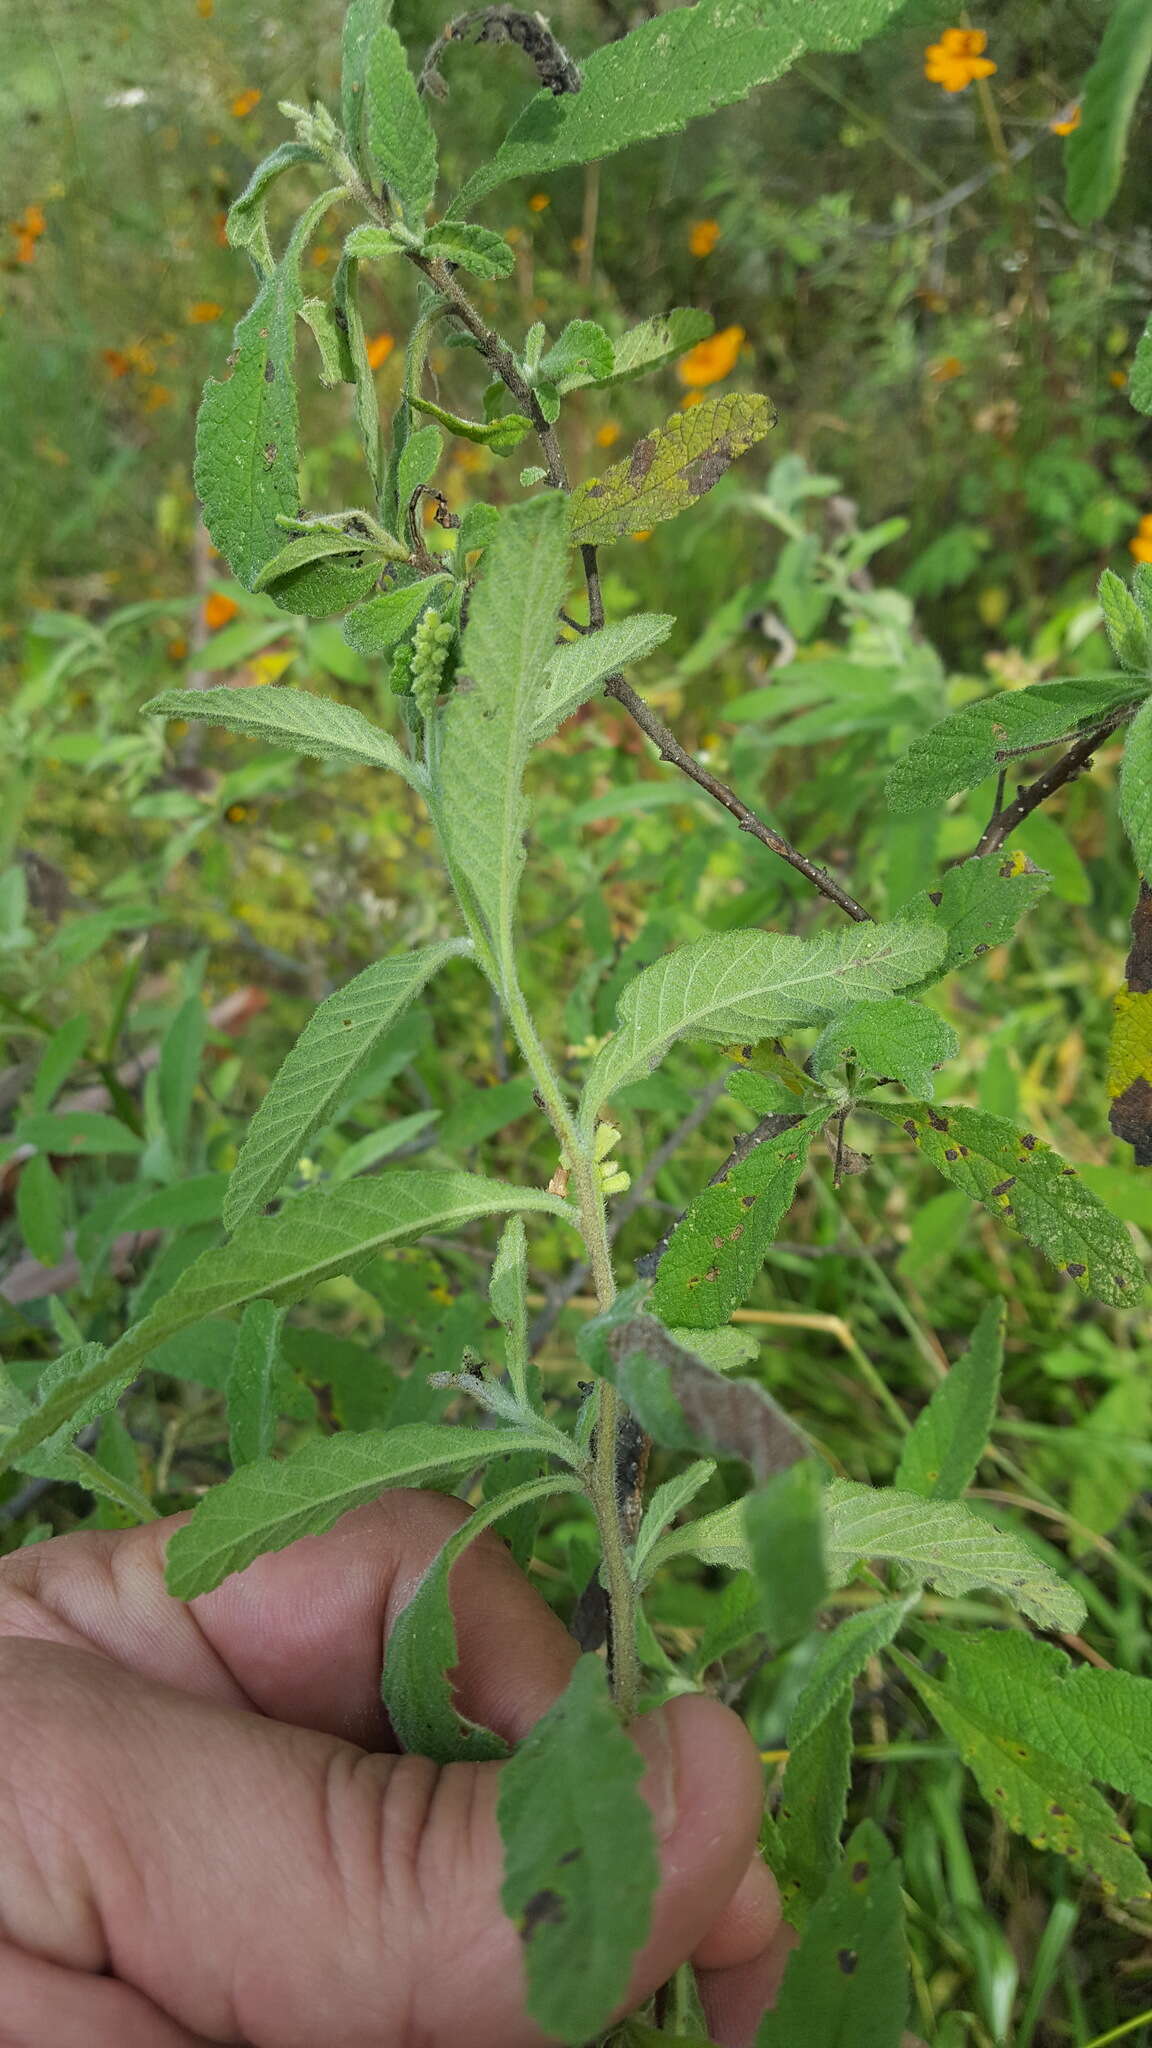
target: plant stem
1142 2019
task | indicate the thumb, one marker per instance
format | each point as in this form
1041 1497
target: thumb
269 1884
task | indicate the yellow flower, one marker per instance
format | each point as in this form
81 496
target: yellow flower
645 533
703 236
156 396
203 312
607 435
711 360
942 372
538 202
177 649
204 9
378 348
690 399
957 59
236 814
1067 122
245 102
319 255
1140 544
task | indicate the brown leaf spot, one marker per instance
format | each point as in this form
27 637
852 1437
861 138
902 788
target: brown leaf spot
860 1870
950 1152
1029 1141
571 1856
642 458
1059 1812
1002 1186
1075 1270
938 1122
746 1201
846 1960
936 896
912 1128
707 469
544 1909
269 371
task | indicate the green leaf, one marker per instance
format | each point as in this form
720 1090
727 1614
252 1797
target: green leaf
421 1649
77 1134
681 1401
582 355
652 82
784 1522
725 1349
949 1437
477 250
335 1045
1136 787
663 1507
58 1058
502 434
580 1862
319 1235
318 315
1097 148
846 1986
579 666
838 24
247 434
373 245
840 1659
977 740
651 346
939 1543
319 545
361 22
417 465
376 627
717 1249
803 1847
319 726
750 985
350 322
1096 1722
256 1365
179 1070
246 227
1024 1182
40 1209
1054 1806
670 468
1140 375
1128 630
397 141
269 1504
978 904
485 733
507 1297
898 1040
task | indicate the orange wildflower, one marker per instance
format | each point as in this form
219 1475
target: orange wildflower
946 369
711 360
378 348
156 396
703 236
1118 379
141 359
28 230
690 399
607 435
236 813
538 202
958 58
204 311
246 102
205 9
220 229
115 362
1067 122
645 533
1140 544
176 649
578 244
218 610
320 255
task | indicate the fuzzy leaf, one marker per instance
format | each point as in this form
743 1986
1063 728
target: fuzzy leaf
717 1249
1128 630
977 740
417 464
335 1044
396 133
475 249
319 316
583 354
485 732
897 1039
319 1235
1098 1722
939 1543
506 1296
305 550
1136 787
373 245
1140 375
670 468
319 726
846 1986
1024 1182
376 627
246 227
784 1522
664 1506
77 1134
247 447
750 985
840 1659
978 904
653 345
1054 1806
361 22
580 1863
803 1847
949 1438
580 666
357 369
40 1209
252 1408
1097 148
269 1504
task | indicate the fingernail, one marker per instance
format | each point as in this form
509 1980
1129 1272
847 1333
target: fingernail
660 1785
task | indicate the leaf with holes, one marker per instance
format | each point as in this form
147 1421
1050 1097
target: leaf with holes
669 469
653 345
1023 1181
717 1250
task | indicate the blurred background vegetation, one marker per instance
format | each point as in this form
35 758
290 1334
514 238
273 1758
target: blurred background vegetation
954 463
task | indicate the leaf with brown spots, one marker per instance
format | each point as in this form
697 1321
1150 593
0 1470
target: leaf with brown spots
580 1863
846 1986
1023 1181
670 468
1054 1805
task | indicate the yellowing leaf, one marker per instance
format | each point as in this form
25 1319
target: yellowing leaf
670 468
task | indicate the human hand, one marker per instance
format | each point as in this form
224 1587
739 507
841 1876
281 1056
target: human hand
206 1834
